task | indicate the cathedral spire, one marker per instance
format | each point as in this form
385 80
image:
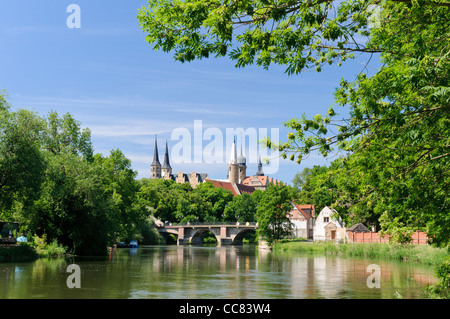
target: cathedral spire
166 164
233 157
233 167
155 168
155 154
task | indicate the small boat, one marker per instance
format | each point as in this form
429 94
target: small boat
21 239
133 244
122 245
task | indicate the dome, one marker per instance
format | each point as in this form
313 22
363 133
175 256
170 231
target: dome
241 159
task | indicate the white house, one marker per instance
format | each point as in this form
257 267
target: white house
302 219
328 226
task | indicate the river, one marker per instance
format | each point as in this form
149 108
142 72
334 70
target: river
236 272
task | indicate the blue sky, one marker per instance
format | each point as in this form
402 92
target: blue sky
110 79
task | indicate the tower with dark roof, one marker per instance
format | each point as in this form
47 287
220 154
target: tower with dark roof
166 168
242 163
260 171
155 168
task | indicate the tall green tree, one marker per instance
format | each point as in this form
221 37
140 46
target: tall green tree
301 178
180 203
218 198
397 139
73 208
151 191
22 163
165 197
121 188
272 213
65 133
241 209
52 183
317 185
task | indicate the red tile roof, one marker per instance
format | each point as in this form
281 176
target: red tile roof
262 179
305 210
236 189
245 188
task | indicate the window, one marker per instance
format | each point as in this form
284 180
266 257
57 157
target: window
326 219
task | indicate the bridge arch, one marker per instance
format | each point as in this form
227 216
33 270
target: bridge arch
197 238
170 236
238 239
225 233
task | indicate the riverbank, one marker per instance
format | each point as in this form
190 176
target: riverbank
413 253
31 251
18 252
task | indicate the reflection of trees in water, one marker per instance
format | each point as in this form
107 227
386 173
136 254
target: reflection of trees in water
210 272
331 277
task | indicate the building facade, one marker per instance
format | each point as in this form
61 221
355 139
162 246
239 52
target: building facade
329 226
237 172
165 171
302 219
237 166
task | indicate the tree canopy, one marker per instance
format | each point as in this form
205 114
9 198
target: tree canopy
52 184
272 213
394 147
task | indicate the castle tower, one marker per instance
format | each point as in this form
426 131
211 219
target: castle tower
155 168
166 168
242 166
260 171
233 167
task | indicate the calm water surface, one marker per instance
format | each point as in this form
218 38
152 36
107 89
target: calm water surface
211 272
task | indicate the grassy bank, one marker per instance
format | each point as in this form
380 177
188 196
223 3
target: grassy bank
31 250
20 252
413 253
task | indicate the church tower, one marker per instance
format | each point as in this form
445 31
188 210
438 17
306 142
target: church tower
233 167
242 162
166 168
155 168
260 168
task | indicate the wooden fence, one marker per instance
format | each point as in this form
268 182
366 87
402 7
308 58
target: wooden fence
418 238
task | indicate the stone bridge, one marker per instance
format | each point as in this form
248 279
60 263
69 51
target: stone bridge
226 233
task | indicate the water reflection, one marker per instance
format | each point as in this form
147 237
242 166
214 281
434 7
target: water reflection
210 272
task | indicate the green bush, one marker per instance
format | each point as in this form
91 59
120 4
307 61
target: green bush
171 239
53 250
209 239
21 252
47 250
148 234
403 252
441 290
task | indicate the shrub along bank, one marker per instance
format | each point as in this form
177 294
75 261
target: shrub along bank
28 251
414 253
437 257
21 252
